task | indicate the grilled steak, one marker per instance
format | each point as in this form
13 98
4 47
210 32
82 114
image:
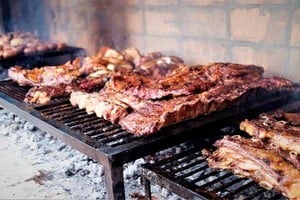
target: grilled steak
144 116
275 129
279 131
151 116
48 75
249 158
43 94
183 80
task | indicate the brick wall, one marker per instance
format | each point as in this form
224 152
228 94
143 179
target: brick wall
263 32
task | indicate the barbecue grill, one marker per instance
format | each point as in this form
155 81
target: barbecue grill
188 174
110 145
37 59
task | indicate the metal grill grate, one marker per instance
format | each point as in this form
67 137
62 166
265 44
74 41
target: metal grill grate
10 88
188 174
92 127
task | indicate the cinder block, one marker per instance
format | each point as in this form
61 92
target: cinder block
243 55
202 2
165 45
260 1
78 18
295 2
52 4
82 3
255 24
204 23
126 21
81 38
160 2
272 59
61 35
125 2
294 69
133 20
202 52
162 22
295 33
137 41
97 20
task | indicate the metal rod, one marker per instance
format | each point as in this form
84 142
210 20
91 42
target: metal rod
147 188
114 181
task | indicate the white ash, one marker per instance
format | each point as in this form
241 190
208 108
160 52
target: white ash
74 175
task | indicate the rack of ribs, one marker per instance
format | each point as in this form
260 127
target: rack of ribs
278 130
144 104
249 158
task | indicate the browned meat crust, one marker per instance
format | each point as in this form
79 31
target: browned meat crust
249 158
183 80
146 116
48 75
279 131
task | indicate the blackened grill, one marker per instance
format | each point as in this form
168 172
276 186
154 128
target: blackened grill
36 59
109 144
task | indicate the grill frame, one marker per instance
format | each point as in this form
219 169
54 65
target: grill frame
113 157
37 59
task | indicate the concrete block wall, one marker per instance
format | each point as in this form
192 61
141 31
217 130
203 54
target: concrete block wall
262 32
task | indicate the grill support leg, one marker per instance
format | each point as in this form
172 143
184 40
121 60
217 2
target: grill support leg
114 181
147 188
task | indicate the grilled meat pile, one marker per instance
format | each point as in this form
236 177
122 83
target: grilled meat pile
86 74
144 104
250 158
270 157
279 131
144 93
17 43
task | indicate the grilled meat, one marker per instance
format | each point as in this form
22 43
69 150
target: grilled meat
145 116
275 129
151 116
18 43
101 104
158 67
278 131
292 118
106 58
249 158
48 75
58 81
43 94
183 80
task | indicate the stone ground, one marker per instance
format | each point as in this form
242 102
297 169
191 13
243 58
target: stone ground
35 165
